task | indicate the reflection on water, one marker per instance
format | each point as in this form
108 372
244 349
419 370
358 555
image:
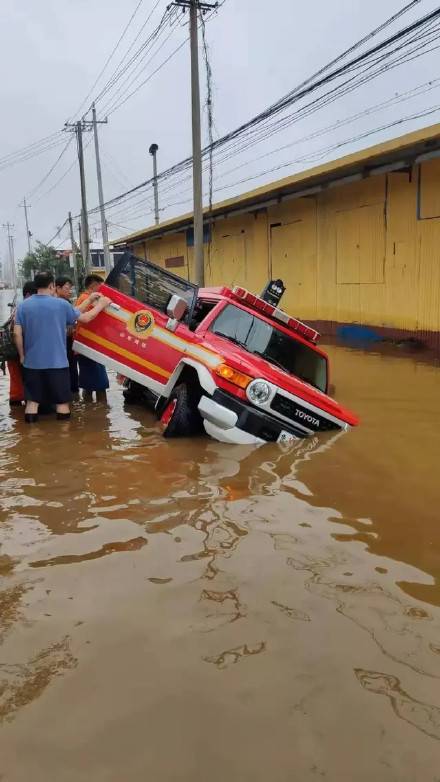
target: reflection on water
422 716
22 683
233 656
127 563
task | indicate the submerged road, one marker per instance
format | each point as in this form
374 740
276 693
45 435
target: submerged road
187 610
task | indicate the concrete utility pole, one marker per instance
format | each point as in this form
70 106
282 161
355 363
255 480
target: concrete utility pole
12 259
194 7
11 277
73 246
77 128
107 257
80 239
28 233
84 214
12 269
153 152
199 261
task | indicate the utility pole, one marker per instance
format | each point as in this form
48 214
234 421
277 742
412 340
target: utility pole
84 214
80 240
28 233
73 246
78 127
107 258
153 152
12 262
12 269
194 7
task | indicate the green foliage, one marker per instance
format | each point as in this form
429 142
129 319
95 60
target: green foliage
45 258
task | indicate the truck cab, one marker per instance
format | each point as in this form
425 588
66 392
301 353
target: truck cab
218 359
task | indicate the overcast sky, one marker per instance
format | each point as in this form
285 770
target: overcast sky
51 52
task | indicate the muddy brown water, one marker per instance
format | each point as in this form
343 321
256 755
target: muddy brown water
187 610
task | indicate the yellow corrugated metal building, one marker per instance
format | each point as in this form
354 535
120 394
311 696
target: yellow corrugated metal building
356 241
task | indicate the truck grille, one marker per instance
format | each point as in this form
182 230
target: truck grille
301 415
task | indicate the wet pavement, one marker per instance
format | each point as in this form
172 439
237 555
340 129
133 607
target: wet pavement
188 610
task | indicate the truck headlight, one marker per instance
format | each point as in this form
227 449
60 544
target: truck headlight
258 392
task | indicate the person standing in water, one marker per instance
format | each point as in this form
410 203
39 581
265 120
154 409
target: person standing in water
40 337
92 376
16 388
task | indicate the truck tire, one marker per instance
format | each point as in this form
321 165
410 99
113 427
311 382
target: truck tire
135 394
180 417
132 393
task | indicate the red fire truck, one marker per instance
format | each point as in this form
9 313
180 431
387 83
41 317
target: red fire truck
218 359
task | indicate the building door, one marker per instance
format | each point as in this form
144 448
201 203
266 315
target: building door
293 253
229 265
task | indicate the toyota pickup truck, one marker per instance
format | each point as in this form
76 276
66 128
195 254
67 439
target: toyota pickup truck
218 359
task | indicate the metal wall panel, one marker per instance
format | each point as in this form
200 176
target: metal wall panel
429 286
360 245
293 251
366 252
229 260
429 194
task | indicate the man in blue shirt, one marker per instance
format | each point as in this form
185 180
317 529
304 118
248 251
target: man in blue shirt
40 336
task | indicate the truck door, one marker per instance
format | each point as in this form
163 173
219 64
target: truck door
135 336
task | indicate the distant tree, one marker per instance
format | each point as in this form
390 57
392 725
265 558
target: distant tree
44 258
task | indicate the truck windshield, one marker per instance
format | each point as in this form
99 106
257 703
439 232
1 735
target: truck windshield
261 338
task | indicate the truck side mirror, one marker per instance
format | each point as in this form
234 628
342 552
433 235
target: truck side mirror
176 307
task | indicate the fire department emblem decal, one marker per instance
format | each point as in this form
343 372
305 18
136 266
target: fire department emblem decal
141 324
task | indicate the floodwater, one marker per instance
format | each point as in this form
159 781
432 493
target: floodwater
188 610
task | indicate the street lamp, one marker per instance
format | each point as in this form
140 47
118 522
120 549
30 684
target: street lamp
153 152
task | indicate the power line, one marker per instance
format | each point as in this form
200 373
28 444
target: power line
143 83
113 104
26 154
52 168
299 93
109 58
324 151
152 38
52 239
120 68
361 61
387 104
30 147
63 176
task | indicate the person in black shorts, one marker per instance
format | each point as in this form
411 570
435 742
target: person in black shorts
40 335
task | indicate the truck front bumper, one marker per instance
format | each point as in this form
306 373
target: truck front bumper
230 420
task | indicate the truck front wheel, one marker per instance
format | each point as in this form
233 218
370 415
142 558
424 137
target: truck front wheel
180 416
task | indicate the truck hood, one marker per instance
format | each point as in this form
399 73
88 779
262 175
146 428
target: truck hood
258 367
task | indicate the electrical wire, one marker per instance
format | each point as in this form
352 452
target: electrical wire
363 66
113 168
47 175
22 156
109 58
52 239
319 154
122 68
415 92
30 147
140 67
145 81
63 176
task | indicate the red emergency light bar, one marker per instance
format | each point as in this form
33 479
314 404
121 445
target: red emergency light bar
273 312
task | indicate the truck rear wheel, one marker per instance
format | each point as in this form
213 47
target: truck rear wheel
180 417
